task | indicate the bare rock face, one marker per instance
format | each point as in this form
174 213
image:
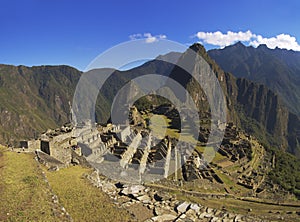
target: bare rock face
182 208
133 190
109 188
195 207
94 178
164 217
144 198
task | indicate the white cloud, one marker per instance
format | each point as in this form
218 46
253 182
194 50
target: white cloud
149 38
283 41
135 36
222 40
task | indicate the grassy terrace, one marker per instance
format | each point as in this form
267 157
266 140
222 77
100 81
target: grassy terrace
159 124
25 196
81 200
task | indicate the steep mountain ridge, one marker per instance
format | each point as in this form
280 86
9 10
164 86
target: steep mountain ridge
34 99
257 109
279 69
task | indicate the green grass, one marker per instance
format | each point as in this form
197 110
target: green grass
218 157
24 194
160 126
233 168
83 201
226 179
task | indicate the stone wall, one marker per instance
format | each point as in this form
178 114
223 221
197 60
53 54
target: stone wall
62 152
34 145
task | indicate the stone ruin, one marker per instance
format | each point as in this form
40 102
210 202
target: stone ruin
65 142
57 143
138 151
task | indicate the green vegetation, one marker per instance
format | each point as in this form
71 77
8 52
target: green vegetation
159 124
272 68
34 99
287 168
81 200
231 184
286 172
146 102
254 128
162 125
24 194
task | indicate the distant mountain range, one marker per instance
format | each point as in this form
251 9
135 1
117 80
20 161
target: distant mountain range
37 98
279 69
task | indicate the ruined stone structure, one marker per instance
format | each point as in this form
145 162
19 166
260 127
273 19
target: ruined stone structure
30 145
133 147
85 139
59 144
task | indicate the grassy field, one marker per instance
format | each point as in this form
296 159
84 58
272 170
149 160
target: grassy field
24 196
231 184
159 124
81 200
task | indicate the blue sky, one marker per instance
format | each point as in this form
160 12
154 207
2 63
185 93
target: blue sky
35 32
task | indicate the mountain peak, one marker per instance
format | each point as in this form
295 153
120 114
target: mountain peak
200 50
236 46
276 68
197 47
262 46
239 44
170 57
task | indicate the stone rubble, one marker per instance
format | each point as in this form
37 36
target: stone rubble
164 206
